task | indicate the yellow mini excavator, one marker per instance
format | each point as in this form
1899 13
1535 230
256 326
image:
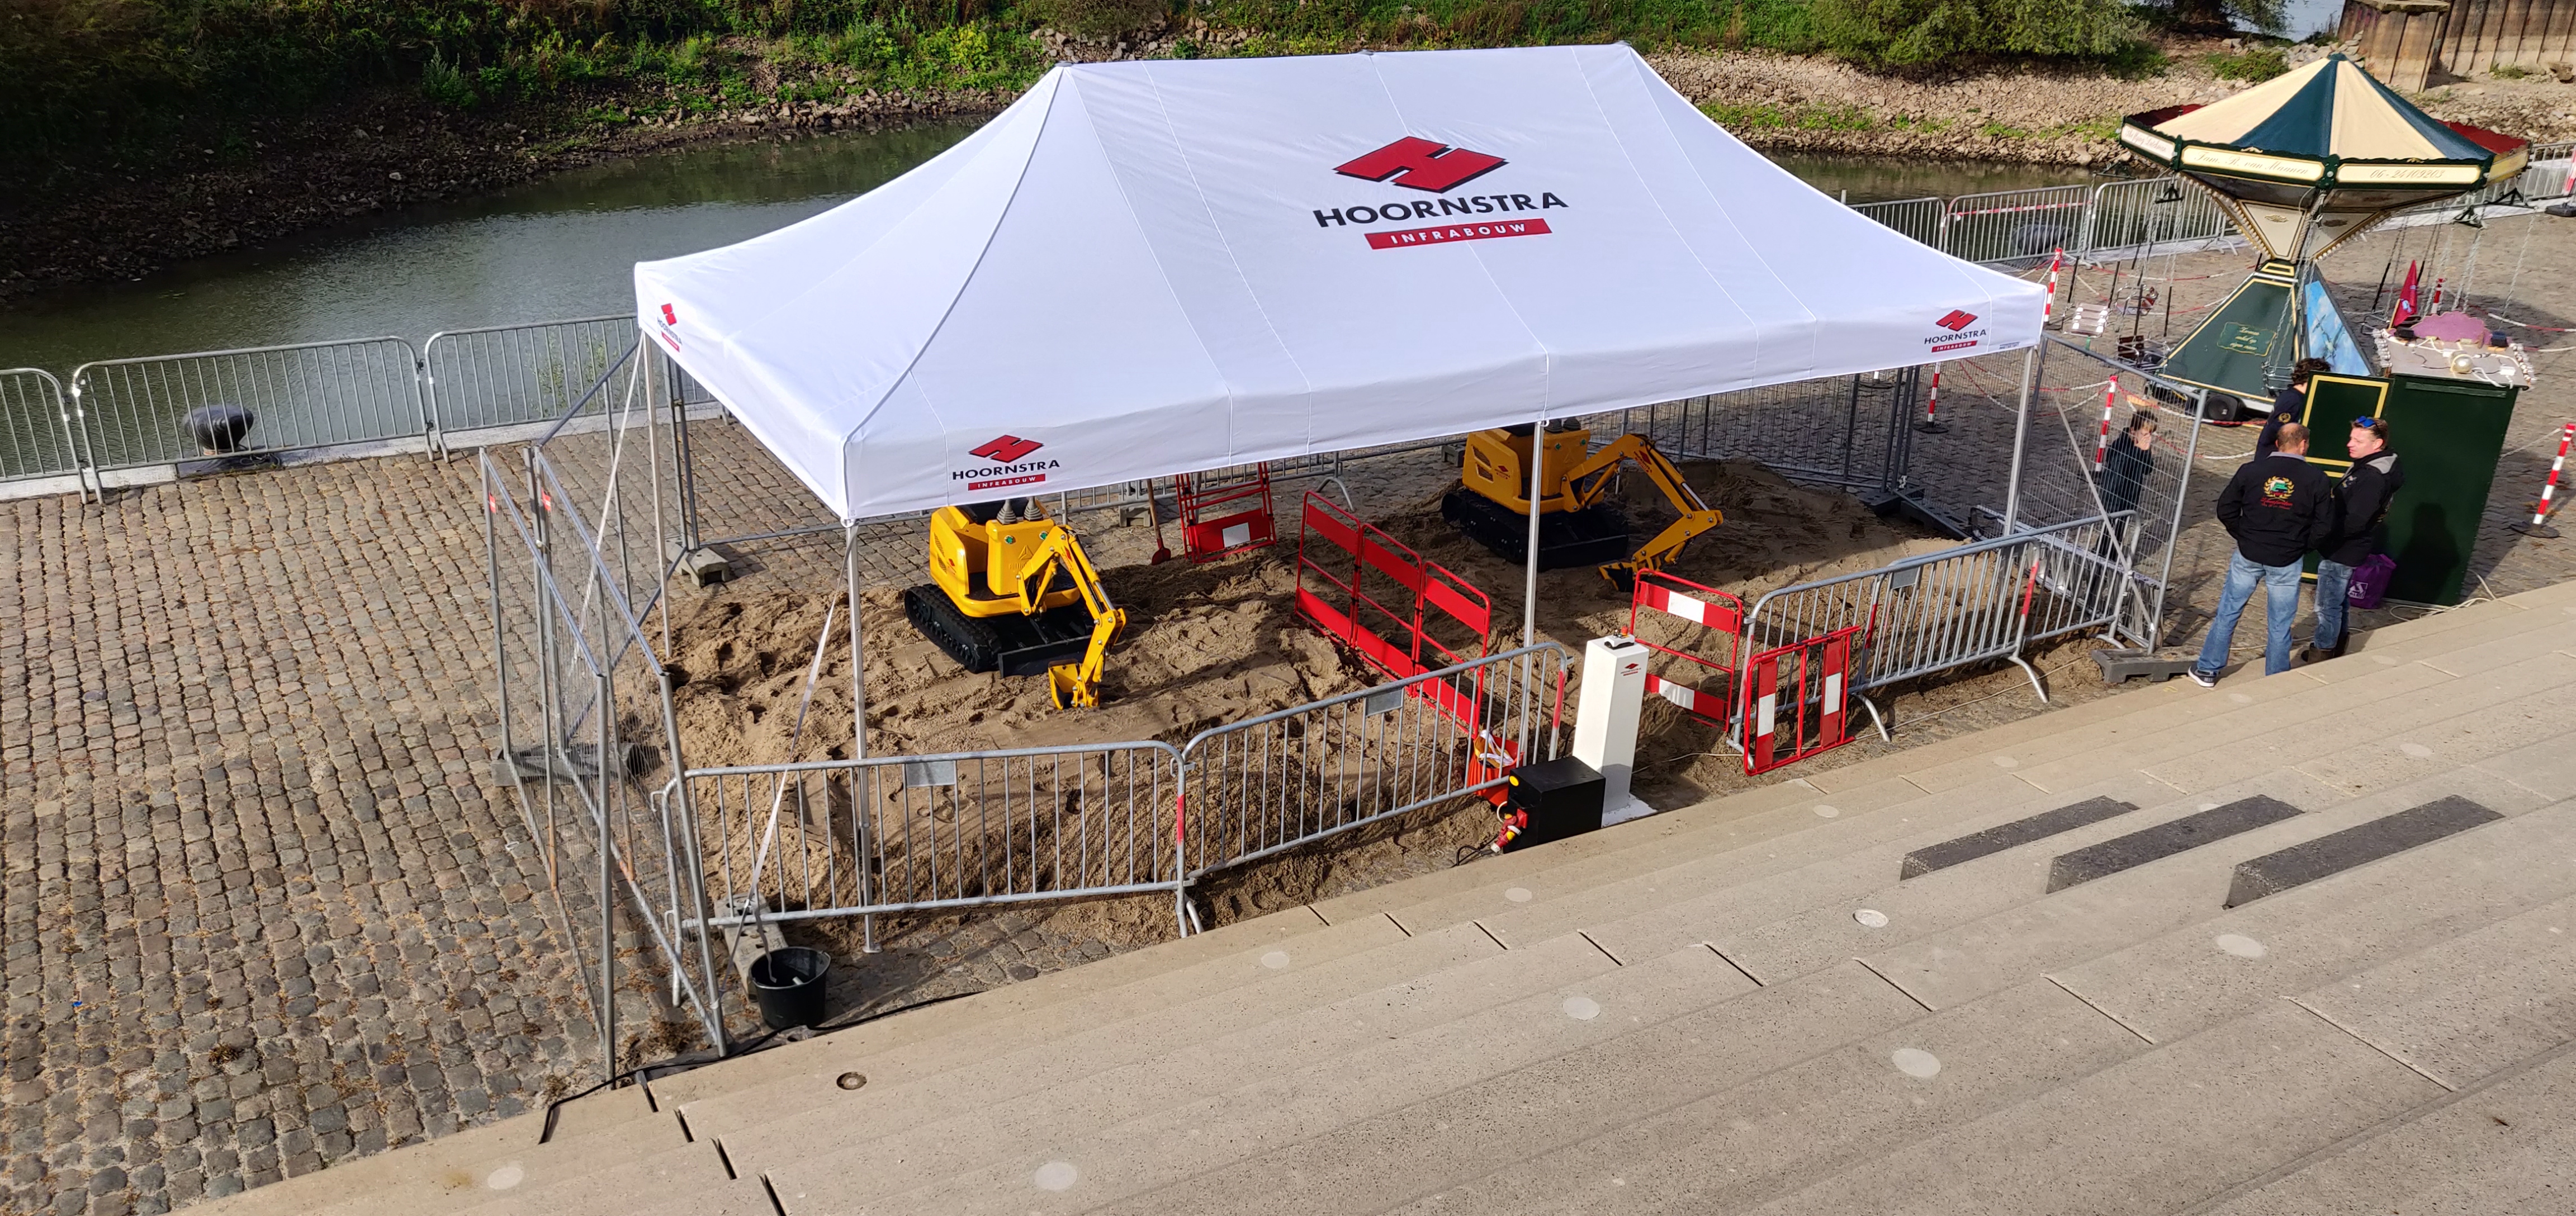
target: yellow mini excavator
1012 591
1576 527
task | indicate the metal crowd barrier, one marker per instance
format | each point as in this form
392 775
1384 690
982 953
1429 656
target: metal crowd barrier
2015 225
505 375
307 395
1919 218
1972 603
38 435
922 833
1272 783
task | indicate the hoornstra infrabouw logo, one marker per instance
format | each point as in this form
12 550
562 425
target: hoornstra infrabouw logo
1415 163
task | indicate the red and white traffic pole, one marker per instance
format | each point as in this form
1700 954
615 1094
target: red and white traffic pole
2110 401
1932 406
2048 307
2539 525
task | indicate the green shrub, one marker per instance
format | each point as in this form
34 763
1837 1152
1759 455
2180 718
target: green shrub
1103 18
2254 64
445 86
1921 33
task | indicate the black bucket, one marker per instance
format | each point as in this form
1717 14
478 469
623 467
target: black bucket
788 984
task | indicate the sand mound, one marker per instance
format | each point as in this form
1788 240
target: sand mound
1205 645
1208 644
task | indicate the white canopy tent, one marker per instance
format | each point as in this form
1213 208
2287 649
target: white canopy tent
1149 268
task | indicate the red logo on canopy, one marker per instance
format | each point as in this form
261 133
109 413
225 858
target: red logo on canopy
1005 449
1957 320
1420 164
668 317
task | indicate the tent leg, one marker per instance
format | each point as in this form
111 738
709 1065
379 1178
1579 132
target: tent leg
2021 433
1529 579
858 722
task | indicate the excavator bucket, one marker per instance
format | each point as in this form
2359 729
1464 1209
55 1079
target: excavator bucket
1072 691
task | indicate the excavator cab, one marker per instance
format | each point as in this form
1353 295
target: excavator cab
1012 591
1577 527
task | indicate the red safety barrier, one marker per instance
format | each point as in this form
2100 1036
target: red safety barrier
2048 305
1222 518
1399 632
2110 400
1796 696
1700 605
2539 525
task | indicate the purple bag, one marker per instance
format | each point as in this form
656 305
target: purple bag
2370 581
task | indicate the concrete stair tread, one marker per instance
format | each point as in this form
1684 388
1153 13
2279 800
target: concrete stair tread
1652 999
2171 985
928 1130
2467 1007
692 1170
1130 975
1723 1132
2180 1133
2502 1151
600 1131
1942 960
1221 1037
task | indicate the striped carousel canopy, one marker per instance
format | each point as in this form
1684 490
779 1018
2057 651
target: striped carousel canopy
2326 125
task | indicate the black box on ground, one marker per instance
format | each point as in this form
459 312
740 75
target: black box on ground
1562 797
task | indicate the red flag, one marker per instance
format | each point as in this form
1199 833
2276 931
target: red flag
2405 310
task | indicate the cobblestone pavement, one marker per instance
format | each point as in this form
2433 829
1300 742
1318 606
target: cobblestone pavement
265 909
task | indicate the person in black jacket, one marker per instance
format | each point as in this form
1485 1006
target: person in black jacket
2288 404
2361 529
2126 467
2277 508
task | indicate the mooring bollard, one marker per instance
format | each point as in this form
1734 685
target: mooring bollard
2539 525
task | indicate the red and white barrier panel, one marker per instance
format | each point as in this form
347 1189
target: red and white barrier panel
2048 307
1708 705
1718 611
2539 525
2110 401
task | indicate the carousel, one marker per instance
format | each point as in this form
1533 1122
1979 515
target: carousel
2304 163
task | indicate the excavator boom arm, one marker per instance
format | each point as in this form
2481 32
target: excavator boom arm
1590 479
1075 685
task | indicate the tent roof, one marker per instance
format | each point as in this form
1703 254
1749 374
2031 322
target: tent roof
1153 267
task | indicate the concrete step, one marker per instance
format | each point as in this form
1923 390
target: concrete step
2188 979
1943 958
2180 1132
1824 890
1772 1134
689 1172
1230 1016
2468 1007
1867 848
2505 1149
938 1130
1639 1014
601 1131
922 1043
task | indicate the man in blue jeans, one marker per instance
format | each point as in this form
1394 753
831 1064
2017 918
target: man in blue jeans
2277 507
2361 529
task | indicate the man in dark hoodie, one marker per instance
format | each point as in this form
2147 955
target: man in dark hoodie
2277 507
2361 529
2288 403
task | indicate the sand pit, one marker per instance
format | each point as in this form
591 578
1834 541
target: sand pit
1207 645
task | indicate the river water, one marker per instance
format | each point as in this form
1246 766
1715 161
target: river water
565 247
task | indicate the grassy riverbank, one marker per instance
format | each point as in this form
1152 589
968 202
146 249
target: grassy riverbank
86 78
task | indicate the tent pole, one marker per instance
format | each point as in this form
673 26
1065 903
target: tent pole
2021 433
858 722
1529 579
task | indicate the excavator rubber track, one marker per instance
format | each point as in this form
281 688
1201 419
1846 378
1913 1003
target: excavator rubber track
1012 644
1594 536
